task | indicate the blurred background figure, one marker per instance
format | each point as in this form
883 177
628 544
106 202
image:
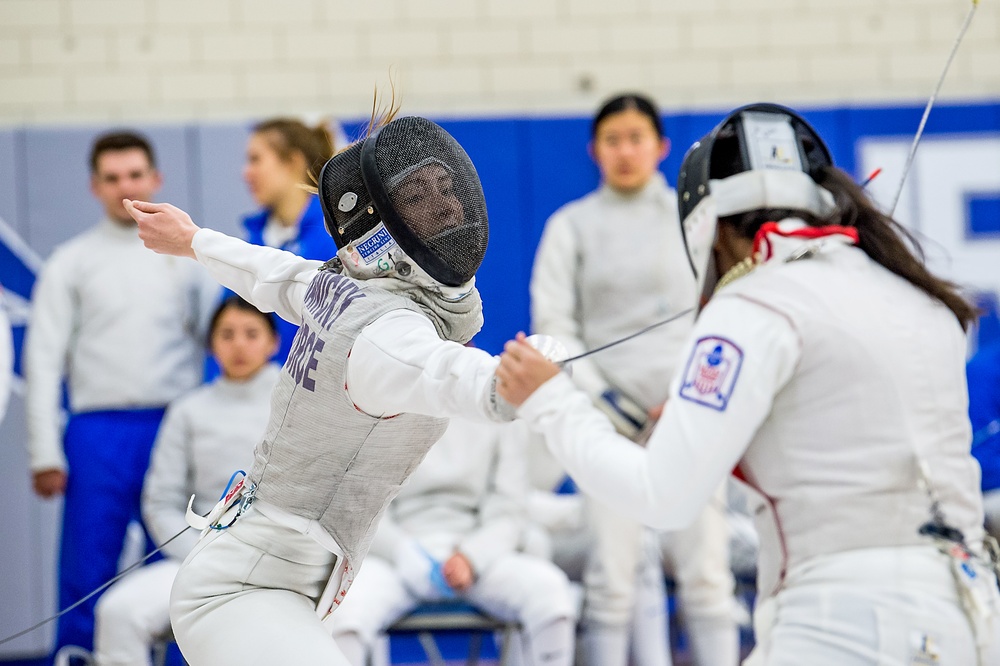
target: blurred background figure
125 329
283 156
454 533
206 435
608 265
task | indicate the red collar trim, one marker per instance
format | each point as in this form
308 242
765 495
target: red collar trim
762 246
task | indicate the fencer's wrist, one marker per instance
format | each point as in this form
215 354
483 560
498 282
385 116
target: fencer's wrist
187 243
552 392
198 240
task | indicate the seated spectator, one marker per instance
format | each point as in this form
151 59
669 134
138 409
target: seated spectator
206 435
558 529
453 533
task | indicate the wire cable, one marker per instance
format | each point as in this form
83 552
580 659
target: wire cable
641 331
930 104
97 591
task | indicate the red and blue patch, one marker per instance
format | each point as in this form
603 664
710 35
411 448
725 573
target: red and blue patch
711 372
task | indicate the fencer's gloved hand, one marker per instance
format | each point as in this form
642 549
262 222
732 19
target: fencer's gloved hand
626 415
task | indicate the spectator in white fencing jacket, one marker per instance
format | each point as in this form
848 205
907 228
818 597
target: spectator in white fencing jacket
206 435
454 532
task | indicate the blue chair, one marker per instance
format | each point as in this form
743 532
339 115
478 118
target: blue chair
455 616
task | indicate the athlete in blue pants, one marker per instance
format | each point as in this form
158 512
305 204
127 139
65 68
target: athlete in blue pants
108 452
124 330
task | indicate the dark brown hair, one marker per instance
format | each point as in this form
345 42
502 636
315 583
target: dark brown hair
289 136
882 238
120 140
234 301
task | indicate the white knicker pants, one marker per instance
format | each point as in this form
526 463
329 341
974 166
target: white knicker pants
247 596
133 614
884 607
516 587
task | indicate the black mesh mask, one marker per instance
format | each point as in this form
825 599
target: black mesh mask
412 176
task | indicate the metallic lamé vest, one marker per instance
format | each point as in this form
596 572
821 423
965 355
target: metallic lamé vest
321 457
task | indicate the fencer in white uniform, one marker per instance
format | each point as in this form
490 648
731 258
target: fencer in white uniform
375 367
586 301
205 435
831 377
454 532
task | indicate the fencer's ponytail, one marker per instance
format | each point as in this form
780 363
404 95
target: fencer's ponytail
883 239
880 237
888 242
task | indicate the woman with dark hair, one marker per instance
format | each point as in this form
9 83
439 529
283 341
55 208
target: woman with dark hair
622 244
828 370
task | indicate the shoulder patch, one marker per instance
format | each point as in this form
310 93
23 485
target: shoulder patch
711 372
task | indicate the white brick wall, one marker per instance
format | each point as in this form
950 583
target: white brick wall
18 14
72 60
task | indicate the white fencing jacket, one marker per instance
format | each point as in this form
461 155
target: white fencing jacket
398 364
394 365
124 326
608 265
205 436
823 379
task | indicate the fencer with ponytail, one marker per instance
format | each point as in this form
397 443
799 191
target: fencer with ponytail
882 238
889 243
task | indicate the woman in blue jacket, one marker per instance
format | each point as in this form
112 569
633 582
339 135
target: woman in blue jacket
283 154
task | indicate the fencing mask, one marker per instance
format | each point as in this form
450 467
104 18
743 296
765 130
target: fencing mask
760 157
406 202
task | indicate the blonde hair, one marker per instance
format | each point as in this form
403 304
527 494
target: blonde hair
288 136
381 116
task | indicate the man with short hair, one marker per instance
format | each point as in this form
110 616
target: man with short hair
124 328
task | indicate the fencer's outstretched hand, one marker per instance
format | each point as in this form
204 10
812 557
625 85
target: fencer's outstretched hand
163 228
522 370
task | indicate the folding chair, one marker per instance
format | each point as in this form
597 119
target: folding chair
455 616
